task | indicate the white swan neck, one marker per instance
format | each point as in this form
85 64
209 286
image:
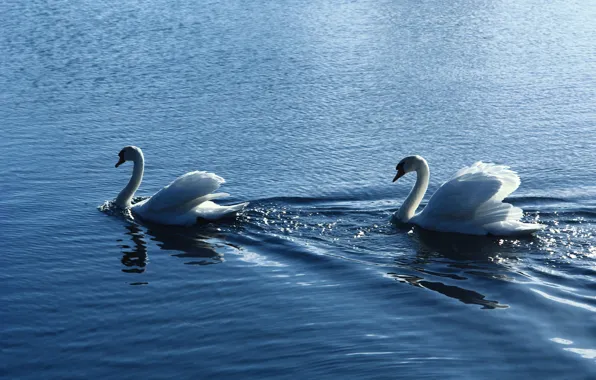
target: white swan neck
124 199
408 208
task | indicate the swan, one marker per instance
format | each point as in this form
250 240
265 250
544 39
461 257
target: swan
182 202
471 202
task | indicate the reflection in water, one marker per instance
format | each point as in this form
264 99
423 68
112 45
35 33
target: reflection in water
483 256
134 257
188 243
461 294
191 243
459 246
457 257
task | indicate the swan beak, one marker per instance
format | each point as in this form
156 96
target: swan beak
120 162
400 172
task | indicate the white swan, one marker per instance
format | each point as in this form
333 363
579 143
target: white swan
182 202
471 202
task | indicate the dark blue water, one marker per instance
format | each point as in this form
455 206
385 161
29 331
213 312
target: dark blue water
304 107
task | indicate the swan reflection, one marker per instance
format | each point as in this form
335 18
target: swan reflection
190 244
134 257
461 294
458 258
458 247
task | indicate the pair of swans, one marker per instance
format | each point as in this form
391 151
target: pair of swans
471 202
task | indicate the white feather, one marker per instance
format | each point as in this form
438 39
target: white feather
183 202
470 202
184 190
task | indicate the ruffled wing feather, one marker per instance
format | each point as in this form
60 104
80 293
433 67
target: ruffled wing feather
185 192
475 194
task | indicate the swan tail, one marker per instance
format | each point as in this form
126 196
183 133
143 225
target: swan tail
513 228
503 219
212 211
237 207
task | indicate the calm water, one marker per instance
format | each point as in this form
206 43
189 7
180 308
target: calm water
304 107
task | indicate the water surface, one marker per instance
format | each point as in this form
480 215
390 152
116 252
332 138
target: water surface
305 108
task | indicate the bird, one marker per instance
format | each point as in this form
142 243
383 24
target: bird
471 202
184 202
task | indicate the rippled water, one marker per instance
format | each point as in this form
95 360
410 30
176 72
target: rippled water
305 108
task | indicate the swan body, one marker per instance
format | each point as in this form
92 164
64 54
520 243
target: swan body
471 202
182 202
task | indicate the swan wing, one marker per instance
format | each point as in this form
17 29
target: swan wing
185 192
475 193
508 179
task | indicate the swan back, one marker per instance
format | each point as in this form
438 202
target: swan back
183 193
472 202
469 189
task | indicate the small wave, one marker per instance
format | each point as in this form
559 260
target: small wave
535 199
558 218
569 302
110 208
289 200
360 194
549 208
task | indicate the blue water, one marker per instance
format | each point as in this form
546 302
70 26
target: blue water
304 107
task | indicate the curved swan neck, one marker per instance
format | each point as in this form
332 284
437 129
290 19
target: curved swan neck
408 208
124 199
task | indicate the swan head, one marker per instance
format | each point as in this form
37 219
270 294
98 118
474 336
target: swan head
408 164
129 153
